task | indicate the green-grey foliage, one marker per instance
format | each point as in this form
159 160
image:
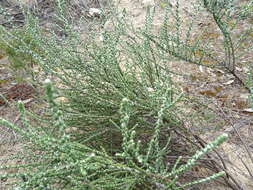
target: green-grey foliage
116 124
56 161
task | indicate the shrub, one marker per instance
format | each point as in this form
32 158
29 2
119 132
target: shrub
121 115
56 161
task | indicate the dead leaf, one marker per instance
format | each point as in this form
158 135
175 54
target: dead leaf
4 81
209 92
239 69
240 103
2 56
212 91
229 82
201 69
61 100
207 62
223 97
210 35
220 71
248 110
94 12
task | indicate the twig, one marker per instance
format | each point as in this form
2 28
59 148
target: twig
238 134
202 144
